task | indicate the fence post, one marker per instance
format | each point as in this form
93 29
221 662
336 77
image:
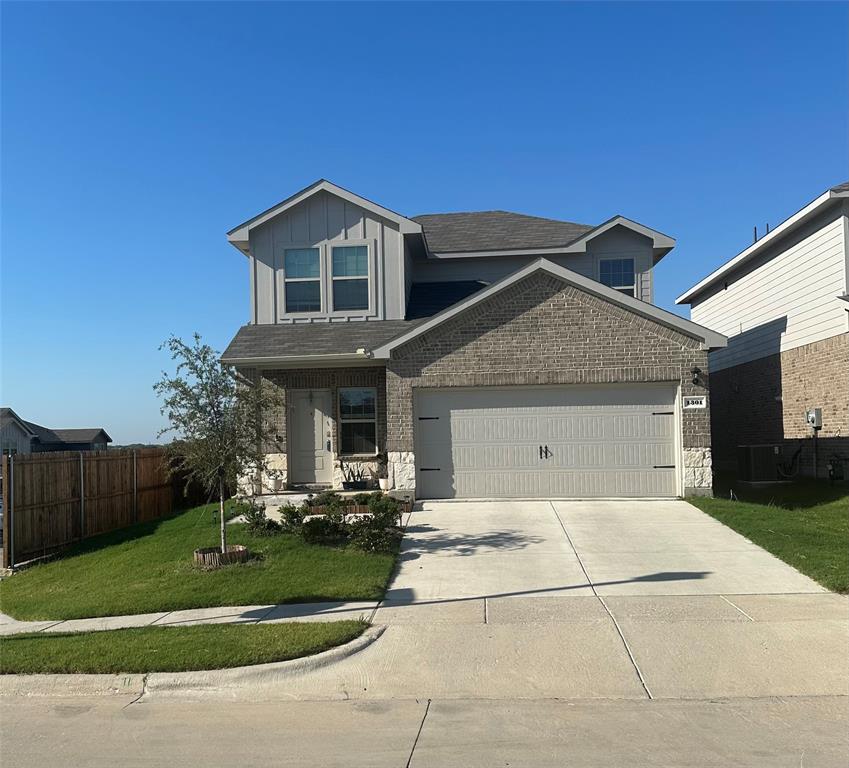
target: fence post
135 491
82 499
8 501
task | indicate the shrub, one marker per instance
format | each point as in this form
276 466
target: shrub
385 511
325 498
323 529
369 536
292 517
256 520
362 498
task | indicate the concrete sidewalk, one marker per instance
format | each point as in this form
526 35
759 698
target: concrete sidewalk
245 614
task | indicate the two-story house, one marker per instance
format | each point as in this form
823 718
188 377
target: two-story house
486 354
783 303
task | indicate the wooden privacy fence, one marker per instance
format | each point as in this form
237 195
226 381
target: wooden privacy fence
53 499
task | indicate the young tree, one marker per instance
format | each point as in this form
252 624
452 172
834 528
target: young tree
220 420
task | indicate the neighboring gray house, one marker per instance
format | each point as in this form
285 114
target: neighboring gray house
16 436
20 436
486 354
782 302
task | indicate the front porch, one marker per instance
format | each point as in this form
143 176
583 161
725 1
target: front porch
331 426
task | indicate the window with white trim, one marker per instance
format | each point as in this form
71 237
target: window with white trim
349 271
618 274
357 421
302 279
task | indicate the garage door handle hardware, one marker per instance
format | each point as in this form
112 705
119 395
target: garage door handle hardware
663 413
428 418
540 451
544 453
664 466
429 469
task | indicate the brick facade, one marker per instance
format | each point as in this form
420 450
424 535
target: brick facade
544 331
539 331
764 401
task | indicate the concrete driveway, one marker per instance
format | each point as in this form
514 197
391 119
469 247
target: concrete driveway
527 549
525 633
588 600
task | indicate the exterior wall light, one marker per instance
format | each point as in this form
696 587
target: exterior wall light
696 371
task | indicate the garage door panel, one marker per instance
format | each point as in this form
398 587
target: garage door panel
642 454
602 441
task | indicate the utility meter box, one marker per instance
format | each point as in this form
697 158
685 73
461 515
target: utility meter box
813 418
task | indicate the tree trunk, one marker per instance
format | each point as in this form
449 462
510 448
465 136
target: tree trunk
221 514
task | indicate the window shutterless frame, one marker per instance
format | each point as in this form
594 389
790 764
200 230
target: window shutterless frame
350 266
295 263
619 274
353 418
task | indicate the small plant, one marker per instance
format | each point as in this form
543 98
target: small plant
385 510
256 519
361 499
323 529
369 536
325 499
292 517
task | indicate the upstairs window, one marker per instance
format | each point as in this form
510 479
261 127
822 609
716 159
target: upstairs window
350 277
357 421
619 275
302 276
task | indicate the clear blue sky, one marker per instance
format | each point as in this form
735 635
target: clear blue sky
134 136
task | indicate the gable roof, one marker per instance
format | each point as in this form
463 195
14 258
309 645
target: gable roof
710 339
81 435
495 230
502 233
47 436
238 236
7 415
786 227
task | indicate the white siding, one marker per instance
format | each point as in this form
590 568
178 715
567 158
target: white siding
787 299
320 221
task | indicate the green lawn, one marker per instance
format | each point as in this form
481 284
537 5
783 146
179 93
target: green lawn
171 649
805 524
148 568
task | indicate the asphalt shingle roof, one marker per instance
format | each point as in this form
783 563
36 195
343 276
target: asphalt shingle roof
297 339
841 187
496 231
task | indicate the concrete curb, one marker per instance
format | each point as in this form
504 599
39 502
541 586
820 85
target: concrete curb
71 685
258 674
138 685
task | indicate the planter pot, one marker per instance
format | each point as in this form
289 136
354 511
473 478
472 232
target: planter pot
212 557
383 482
355 485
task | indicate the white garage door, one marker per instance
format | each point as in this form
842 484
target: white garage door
541 441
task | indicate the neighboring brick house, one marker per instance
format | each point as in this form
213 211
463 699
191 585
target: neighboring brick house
483 354
783 304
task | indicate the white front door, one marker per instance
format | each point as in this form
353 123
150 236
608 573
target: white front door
310 428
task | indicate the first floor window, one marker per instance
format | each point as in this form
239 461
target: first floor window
350 277
302 277
619 275
357 421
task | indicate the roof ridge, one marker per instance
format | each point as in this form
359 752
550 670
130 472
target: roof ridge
503 211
